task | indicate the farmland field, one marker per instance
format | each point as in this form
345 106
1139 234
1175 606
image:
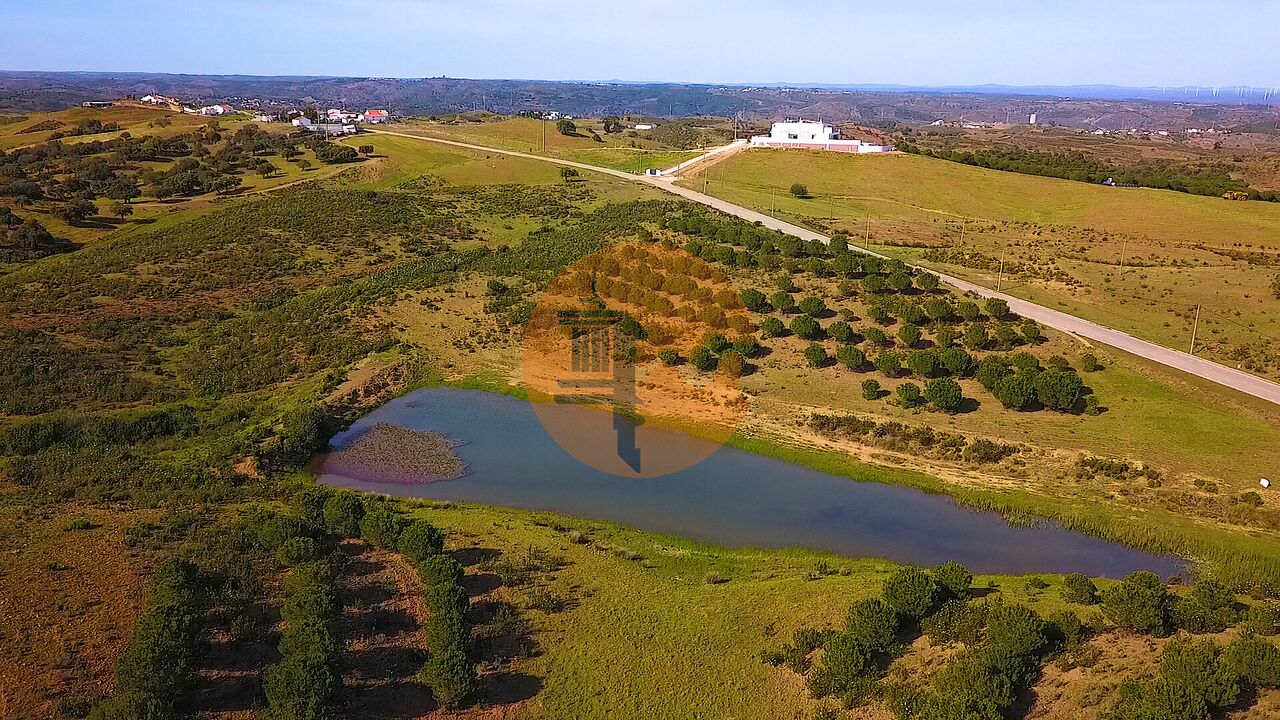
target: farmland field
200 360
1134 259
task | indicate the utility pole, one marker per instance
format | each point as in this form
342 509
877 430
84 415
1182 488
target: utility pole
1195 326
867 240
773 192
1000 276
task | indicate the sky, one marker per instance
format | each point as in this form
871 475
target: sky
926 42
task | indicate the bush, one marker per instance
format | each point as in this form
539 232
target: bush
812 306
420 540
451 676
1058 389
381 526
805 327
1254 660
908 395
668 356
772 327
754 300
297 551
1210 607
910 592
998 309
1015 631
944 393
1089 363
840 330
1263 619
1197 666
975 337
799 190
889 364
342 513
953 578
851 357
703 360
300 687
909 335
1140 603
782 301
873 624
870 390
875 336
1078 588
1015 391
956 361
731 364
816 355
956 621
308 504
845 662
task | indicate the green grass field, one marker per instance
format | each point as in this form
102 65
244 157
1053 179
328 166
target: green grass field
646 635
617 151
1135 259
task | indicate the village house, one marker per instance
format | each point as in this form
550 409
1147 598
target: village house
375 116
812 135
217 110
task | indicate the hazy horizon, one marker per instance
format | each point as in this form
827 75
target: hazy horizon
1142 44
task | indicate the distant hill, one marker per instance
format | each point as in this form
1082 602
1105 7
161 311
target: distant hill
1098 106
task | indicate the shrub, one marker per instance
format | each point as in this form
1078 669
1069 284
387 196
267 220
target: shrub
899 281
772 327
953 578
420 540
851 357
844 663
812 306
927 281
1210 607
816 355
1254 660
754 300
968 310
944 393
873 624
381 526
937 308
1197 666
889 364
956 621
308 504
990 371
910 591
300 687
342 514
1263 619
870 390
909 335
1058 389
799 190
997 308
1015 391
298 550
451 676
1140 603
731 364
782 301
975 337
956 361
875 336
840 330
669 356
806 327
908 395
703 360
1089 363
1078 588
1015 631
1031 331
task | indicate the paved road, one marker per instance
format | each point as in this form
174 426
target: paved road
1207 369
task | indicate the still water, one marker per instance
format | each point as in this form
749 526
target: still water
733 498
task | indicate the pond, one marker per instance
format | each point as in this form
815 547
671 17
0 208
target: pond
733 498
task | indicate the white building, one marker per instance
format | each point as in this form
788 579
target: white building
216 110
643 126
301 122
375 116
813 136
